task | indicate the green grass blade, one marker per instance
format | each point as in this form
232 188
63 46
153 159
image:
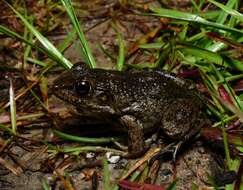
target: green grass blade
83 139
156 45
161 12
12 34
223 15
27 50
36 61
106 175
61 47
51 49
210 56
218 46
85 47
67 41
211 15
172 186
202 53
234 98
45 185
12 108
228 10
121 55
27 35
6 128
106 52
226 148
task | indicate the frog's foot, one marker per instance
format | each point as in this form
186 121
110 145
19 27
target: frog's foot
176 148
170 150
136 144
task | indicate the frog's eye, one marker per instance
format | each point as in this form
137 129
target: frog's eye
82 87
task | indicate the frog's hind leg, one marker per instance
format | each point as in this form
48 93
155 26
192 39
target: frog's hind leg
174 147
136 144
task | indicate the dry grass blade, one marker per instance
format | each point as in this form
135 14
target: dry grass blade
149 154
14 169
66 182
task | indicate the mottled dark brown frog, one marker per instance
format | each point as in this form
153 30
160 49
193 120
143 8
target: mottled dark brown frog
134 101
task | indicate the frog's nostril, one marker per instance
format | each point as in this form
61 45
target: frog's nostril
55 86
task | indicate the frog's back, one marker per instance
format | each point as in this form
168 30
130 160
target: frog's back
141 85
140 91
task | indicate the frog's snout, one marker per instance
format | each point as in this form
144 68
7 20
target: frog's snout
54 88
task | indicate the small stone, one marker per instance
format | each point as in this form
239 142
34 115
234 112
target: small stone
113 159
165 174
90 155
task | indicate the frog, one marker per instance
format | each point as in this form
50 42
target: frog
135 102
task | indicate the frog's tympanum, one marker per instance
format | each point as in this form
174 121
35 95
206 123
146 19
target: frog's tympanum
136 101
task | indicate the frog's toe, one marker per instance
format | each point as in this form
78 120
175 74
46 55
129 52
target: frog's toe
169 152
176 148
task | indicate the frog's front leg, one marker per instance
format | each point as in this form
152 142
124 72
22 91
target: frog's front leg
136 144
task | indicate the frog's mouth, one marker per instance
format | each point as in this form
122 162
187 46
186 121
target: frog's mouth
64 89
67 96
